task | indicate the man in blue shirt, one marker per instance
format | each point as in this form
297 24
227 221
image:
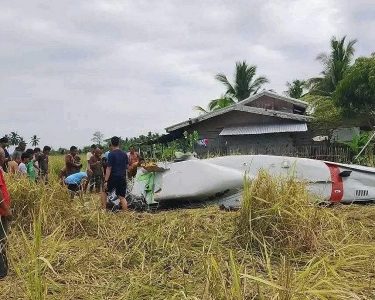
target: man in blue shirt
115 175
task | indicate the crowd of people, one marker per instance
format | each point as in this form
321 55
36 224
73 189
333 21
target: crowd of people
106 174
32 163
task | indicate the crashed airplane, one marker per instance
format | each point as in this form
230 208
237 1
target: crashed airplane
221 178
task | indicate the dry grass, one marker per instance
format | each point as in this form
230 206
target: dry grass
61 249
279 213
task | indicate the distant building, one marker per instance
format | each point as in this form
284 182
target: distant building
263 123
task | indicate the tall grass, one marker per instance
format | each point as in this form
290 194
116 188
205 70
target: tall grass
64 249
280 213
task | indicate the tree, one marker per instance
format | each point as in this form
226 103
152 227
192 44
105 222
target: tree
295 89
336 63
34 140
98 137
216 104
21 140
243 87
358 142
14 138
326 113
356 92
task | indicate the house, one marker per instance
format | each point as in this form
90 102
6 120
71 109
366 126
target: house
263 123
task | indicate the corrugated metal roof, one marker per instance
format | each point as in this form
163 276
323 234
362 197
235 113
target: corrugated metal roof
264 129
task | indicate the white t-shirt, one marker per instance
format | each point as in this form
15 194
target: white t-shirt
88 156
22 168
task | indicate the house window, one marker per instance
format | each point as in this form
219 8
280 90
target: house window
298 110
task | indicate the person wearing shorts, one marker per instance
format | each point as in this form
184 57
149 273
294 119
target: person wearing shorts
76 182
115 175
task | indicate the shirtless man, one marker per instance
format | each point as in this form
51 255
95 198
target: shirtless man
96 167
13 165
72 161
133 162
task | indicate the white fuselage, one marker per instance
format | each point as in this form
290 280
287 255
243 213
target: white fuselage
196 179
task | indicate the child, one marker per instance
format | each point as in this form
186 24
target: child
31 165
25 158
31 173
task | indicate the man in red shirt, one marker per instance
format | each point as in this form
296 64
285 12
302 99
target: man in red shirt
4 215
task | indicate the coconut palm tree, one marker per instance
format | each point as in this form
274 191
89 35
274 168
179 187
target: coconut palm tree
295 89
34 140
243 87
336 63
14 138
216 104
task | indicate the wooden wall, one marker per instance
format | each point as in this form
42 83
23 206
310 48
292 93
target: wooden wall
267 102
211 128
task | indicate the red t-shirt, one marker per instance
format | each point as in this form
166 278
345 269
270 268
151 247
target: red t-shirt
4 191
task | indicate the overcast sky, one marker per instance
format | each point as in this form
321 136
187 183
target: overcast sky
70 68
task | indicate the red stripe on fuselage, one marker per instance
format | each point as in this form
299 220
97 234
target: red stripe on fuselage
337 192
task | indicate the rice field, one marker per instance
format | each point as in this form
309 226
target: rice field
278 246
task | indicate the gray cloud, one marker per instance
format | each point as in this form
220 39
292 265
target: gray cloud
69 68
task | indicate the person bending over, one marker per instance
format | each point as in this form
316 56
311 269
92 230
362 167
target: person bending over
76 183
